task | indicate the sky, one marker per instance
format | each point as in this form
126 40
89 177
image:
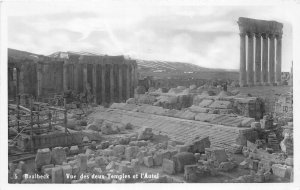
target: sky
207 36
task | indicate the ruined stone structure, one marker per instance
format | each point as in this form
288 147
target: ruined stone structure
260 52
105 79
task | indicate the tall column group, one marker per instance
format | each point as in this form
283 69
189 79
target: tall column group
260 52
113 77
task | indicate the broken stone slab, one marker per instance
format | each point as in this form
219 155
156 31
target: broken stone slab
181 159
58 156
57 175
43 157
168 166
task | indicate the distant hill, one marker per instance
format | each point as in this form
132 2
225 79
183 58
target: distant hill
156 68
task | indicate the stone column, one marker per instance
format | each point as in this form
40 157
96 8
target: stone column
250 61
243 76
95 83
257 59
76 77
65 76
112 85
127 81
39 79
103 70
85 80
132 79
272 60
121 82
278 59
265 73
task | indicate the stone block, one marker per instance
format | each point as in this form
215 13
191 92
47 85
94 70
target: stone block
131 152
43 157
190 173
46 166
82 161
119 150
253 165
57 175
157 159
48 171
289 161
168 166
182 148
256 125
21 166
282 171
75 169
91 164
100 161
181 159
198 144
146 134
74 150
244 164
58 156
67 171
148 161
219 154
226 166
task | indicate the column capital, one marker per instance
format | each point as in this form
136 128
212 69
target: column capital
258 35
265 35
278 36
271 36
242 34
250 34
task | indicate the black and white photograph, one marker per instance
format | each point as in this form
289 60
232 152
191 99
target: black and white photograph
109 92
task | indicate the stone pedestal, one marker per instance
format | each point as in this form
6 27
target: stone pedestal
243 77
250 71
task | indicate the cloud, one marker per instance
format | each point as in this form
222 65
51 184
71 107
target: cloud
206 36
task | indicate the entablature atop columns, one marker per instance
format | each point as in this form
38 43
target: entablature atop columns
248 25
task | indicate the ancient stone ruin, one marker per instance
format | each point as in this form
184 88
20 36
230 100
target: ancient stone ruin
104 79
264 71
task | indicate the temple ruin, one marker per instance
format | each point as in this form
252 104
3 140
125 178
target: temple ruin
260 61
104 79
